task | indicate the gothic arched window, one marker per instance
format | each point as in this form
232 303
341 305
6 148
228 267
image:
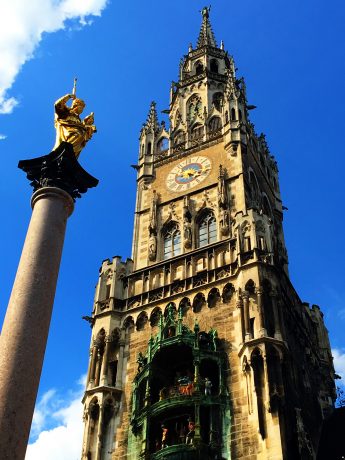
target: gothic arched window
197 131
163 144
172 241
179 137
218 101
199 68
215 124
214 65
207 229
233 114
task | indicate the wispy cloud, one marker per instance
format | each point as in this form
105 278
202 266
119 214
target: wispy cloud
22 24
57 425
2 137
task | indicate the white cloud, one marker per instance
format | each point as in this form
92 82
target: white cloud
58 426
2 137
22 24
339 364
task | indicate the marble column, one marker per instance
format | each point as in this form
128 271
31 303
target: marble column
57 180
25 329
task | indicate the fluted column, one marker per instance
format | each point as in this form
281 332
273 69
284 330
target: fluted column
277 331
262 329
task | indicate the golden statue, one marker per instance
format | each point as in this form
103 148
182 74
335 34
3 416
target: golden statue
69 127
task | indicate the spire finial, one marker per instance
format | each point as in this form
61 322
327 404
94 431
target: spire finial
206 12
206 36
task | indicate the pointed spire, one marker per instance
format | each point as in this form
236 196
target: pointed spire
206 35
152 119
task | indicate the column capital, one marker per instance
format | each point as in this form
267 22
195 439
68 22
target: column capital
245 295
59 169
259 290
239 303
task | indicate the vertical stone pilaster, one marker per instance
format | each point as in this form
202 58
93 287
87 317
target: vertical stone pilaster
247 332
104 370
277 330
122 343
262 329
93 367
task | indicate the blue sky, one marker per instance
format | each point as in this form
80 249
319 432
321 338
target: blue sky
125 54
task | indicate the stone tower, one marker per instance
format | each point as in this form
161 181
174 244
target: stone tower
201 347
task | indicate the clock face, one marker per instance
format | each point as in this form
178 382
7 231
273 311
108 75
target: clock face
188 173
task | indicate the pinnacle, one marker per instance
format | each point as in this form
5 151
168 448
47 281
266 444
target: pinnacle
152 119
206 35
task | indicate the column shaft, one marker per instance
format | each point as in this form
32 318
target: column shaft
248 334
118 383
262 329
25 329
104 371
277 332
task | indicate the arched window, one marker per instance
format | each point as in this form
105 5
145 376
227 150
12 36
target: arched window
233 114
163 144
215 124
179 138
197 131
266 206
207 229
214 65
218 101
149 148
199 68
172 242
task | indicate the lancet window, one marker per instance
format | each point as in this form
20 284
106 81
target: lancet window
172 241
215 124
163 144
207 229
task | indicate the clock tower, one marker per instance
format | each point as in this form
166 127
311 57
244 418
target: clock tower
201 347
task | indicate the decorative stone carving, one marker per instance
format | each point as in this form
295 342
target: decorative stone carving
153 228
187 225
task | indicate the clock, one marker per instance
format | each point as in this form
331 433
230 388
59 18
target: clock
188 173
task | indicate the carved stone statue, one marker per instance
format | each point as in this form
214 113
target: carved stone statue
69 127
187 235
152 246
224 221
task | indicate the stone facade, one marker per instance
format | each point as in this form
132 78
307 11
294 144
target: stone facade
207 295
